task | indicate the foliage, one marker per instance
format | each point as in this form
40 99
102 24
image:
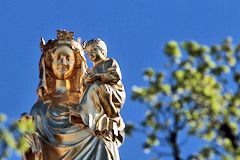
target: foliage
12 137
198 94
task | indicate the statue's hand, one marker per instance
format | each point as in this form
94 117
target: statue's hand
92 78
75 118
103 133
29 139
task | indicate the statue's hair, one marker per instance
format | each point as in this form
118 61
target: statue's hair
47 78
100 44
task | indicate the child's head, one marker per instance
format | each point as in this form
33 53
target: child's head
96 50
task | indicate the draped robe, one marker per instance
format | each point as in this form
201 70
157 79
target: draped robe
63 138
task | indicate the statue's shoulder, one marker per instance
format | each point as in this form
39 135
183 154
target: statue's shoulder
38 106
111 62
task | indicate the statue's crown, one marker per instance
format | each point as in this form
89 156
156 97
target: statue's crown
64 35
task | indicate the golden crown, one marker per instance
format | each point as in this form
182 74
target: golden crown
63 37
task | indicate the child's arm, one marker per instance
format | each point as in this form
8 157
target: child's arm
91 78
112 73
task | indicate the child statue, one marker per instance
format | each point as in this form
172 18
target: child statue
103 98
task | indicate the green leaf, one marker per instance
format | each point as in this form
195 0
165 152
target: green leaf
3 118
172 49
215 49
8 138
209 135
22 145
149 72
129 128
234 127
179 75
152 140
192 47
26 125
231 61
237 77
166 89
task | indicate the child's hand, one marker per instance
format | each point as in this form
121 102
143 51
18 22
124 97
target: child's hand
92 78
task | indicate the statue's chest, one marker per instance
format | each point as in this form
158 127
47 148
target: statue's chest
99 69
58 116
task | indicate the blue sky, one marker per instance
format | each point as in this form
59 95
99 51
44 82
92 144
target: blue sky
135 32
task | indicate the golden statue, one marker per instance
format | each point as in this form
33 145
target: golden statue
77 114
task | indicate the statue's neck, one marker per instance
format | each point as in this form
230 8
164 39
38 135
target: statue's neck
62 95
62 86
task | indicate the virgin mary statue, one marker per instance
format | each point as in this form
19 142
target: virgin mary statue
61 133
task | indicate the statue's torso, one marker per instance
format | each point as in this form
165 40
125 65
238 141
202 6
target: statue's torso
62 140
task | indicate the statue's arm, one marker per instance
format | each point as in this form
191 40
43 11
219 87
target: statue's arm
35 149
112 73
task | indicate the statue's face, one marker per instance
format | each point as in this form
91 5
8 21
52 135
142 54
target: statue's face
63 61
94 53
